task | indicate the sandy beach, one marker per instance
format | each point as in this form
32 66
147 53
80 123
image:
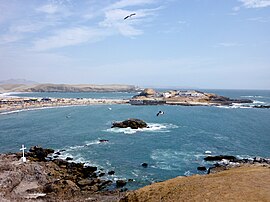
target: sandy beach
8 104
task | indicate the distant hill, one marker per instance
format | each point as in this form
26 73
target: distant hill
18 81
66 88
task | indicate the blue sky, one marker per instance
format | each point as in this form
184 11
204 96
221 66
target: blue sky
192 43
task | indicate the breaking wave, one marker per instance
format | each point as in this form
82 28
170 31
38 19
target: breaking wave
152 127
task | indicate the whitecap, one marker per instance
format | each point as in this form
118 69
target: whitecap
86 144
236 106
253 96
152 127
258 102
168 159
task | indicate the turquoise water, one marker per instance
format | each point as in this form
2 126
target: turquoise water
173 145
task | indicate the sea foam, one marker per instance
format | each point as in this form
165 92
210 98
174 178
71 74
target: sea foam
152 127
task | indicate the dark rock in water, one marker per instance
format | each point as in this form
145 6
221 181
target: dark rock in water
201 168
132 123
130 180
144 165
101 174
88 171
38 153
219 158
55 156
69 158
58 153
62 150
103 140
111 172
120 183
262 106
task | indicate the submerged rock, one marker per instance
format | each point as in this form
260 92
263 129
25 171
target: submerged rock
132 123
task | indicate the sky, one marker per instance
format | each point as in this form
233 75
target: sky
218 44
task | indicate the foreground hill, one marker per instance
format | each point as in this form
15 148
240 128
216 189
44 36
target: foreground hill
247 183
66 88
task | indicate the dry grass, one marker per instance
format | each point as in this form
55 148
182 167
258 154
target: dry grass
247 183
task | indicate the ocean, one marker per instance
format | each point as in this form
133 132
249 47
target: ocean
173 145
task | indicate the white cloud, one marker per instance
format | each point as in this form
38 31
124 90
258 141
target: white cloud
68 37
9 38
127 3
115 13
255 3
227 44
49 8
114 20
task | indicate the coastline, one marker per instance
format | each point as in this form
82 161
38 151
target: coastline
44 178
17 104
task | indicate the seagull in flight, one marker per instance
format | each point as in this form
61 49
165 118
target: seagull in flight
160 113
128 16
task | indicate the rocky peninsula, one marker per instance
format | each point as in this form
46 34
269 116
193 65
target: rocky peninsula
183 97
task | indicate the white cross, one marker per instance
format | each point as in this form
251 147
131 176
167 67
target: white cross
23 158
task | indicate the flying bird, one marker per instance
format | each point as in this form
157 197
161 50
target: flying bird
128 16
160 113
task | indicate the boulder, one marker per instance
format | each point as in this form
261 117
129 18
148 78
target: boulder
148 92
120 183
201 168
132 123
85 182
144 165
38 153
69 159
111 172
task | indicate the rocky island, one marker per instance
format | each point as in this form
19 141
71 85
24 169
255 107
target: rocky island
183 97
132 123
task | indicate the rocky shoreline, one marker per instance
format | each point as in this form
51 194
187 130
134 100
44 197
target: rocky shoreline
183 97
146 97
44 177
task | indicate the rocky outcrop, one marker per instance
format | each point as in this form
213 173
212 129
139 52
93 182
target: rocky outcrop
50 180
132 123
183 97
220 157
148 92
224 162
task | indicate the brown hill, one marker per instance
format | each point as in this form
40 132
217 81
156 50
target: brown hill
66 88
247 183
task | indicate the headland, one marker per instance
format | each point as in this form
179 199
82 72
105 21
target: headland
183 97
45 177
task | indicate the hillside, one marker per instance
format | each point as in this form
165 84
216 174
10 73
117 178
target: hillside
65 88
247 183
